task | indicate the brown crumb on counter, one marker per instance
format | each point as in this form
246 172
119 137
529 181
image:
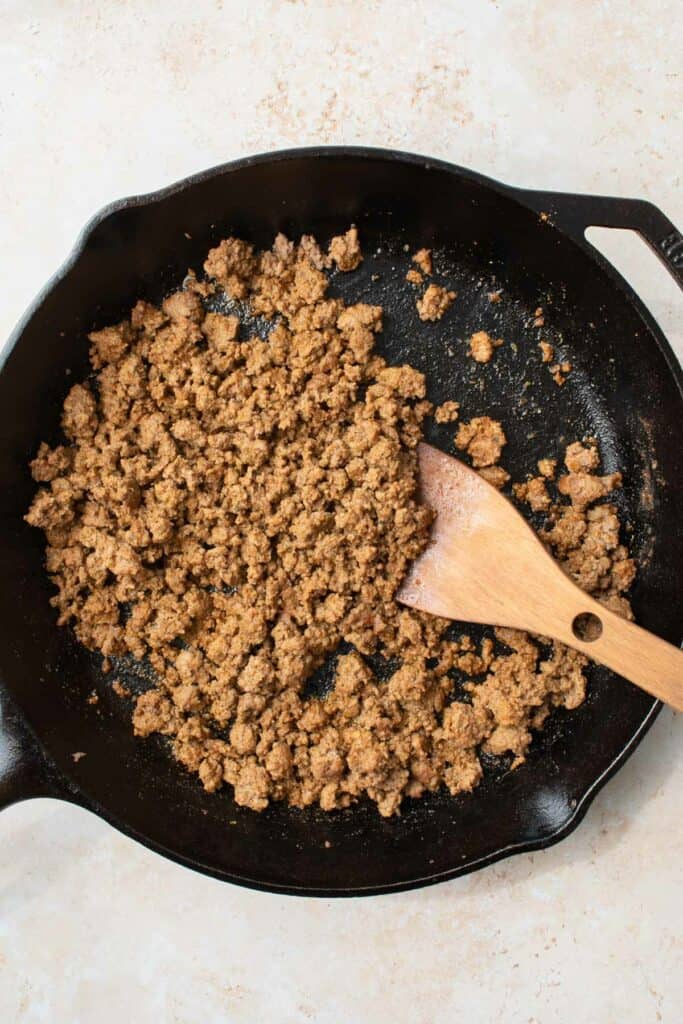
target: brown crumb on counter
483 440
447 412
93 698
547 351
78 755
539 319
434 303
482 346
547 468
414 276
423 259
229 508
495 296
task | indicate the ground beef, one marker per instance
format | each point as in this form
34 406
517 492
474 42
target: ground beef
423 259
447 412
345 250
230 509
535 493
483 440
482 346
434 303
495 475
547 351
547 467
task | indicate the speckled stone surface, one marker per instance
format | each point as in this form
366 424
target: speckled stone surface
101 99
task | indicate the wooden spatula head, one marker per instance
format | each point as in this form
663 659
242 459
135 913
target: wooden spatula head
485 564
483 557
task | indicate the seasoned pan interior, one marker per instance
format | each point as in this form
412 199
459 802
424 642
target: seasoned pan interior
620 390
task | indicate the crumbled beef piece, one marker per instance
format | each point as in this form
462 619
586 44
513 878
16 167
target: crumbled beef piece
345 250
583 488
447 412
482 346
434 303
483 440
535 493
547 467
423 259
547 351
581 457
495 475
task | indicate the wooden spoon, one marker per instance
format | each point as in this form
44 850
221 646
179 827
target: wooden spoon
485 564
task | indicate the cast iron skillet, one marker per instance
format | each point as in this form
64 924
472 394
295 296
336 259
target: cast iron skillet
625 388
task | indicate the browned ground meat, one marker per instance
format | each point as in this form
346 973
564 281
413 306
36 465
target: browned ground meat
434 303
231 508
423 259
483 440
447 412
482 346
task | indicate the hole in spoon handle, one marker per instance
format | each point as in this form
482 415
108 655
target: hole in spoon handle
587 626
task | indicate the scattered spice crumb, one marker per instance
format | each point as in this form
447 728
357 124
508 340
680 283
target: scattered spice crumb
119 689
414 276
495 297
93 698
547 467
78 755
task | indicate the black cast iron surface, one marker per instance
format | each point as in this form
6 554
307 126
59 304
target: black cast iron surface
625 389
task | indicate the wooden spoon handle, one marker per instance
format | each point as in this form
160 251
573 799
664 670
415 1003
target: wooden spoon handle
627 649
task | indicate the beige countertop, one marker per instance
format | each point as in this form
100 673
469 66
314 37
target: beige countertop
102 99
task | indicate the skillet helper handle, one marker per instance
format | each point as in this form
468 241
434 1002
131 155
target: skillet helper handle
574 213
24 771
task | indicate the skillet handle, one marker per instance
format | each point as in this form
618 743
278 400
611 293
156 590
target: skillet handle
24 771
574 213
